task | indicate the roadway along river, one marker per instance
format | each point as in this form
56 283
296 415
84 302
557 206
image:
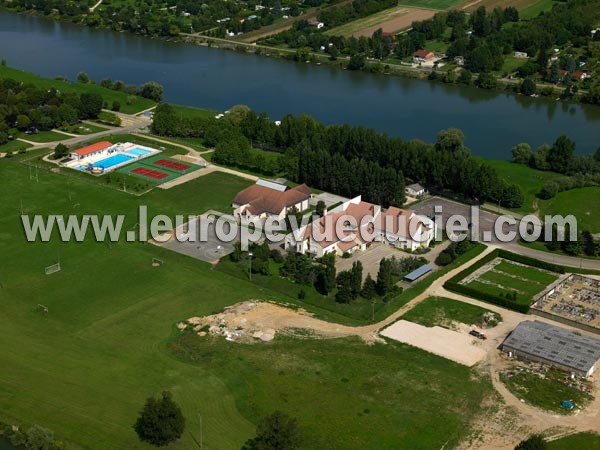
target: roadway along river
218 79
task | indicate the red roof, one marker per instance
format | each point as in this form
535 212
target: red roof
423 53
93 148
266 200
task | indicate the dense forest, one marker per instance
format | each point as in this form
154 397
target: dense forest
348 160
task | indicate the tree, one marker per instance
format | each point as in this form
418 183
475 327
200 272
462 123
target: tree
23 122
487 81
39 438
521 153
527 87
384 277
357 62
560 154
276 432
320 208
60 151
450 140
161 421
91 105
369 289
356 271
83 77
549 190
535 442
151 90
116 105
465 77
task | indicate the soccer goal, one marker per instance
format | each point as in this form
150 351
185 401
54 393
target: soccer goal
157 262
52 269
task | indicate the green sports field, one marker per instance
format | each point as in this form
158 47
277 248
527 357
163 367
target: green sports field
84 369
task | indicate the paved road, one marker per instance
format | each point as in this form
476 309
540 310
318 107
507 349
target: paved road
487 221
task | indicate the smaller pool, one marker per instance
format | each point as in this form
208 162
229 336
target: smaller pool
113 160
138 152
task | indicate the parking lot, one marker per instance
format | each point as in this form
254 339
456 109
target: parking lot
210 250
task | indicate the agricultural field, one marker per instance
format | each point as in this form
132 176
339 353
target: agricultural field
527 8
502 276
442 311
389 20
431 4
106 339
129 104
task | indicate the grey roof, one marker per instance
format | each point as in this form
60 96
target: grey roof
418 272
415 187
271 185
554 344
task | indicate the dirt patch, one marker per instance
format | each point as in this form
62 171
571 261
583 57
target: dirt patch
260 321
453 345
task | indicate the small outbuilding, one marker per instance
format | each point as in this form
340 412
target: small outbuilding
418 273
415 190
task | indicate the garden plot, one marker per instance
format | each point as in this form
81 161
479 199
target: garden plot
509 276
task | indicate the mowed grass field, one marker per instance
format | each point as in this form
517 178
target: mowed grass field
583 203
577 441
442 311
389 20
507 276
108 95
85 369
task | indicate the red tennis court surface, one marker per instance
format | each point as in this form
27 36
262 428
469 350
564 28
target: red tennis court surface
150 173
168 164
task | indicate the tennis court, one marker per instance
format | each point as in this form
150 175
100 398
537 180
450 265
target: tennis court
159 169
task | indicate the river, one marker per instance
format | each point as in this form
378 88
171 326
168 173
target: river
218 79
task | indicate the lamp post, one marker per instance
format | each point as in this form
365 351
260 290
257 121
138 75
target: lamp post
250 255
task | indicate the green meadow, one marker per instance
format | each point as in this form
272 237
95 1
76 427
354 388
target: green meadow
109 340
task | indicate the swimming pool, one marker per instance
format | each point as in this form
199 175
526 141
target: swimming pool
114 160
138 152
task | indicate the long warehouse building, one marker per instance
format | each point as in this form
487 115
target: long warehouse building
555 346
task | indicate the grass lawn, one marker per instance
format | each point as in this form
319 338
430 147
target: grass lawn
44 136
529 180
577 441
583 203
441 311
103 348
511 63
434 4
545 393
192 111
138 104
84 128
195 143
13 146
397 391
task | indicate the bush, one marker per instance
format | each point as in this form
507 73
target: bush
277 256
116 106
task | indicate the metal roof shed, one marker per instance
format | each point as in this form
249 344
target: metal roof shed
418 273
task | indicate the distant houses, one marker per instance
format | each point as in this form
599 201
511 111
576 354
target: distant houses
268 198
421 56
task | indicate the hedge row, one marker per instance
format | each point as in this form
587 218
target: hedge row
531 261
490 298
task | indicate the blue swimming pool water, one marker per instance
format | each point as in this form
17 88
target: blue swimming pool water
114 160
138 152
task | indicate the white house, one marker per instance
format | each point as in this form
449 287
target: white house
355 225
415 190
270 199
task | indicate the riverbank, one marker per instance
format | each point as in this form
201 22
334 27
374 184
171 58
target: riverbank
505 85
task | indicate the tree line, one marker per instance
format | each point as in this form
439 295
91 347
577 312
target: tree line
25 107
351 160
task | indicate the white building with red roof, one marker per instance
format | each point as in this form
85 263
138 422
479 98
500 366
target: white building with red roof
355 225
270 199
